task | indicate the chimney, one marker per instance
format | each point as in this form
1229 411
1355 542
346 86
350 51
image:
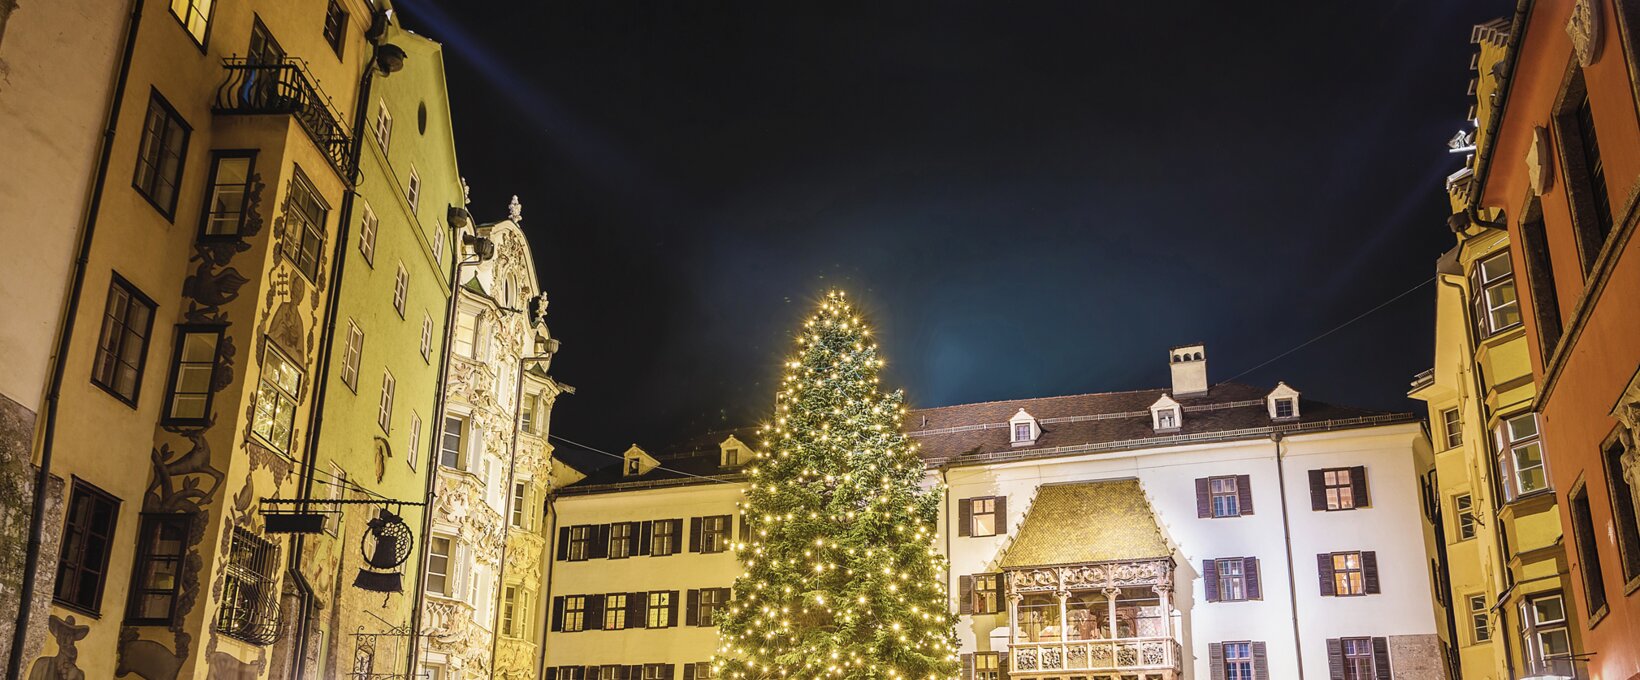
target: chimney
1189 365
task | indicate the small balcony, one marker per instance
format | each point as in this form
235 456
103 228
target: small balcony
285 87
1129 656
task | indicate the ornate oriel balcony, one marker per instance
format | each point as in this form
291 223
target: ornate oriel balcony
285 87
1090 588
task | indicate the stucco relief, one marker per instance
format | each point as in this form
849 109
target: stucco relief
1585 28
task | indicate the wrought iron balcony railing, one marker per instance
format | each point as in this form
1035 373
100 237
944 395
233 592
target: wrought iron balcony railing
1121 654
285 87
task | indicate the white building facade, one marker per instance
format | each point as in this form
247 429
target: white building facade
1196 532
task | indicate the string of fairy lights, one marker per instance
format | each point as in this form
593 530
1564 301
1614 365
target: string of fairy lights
842 578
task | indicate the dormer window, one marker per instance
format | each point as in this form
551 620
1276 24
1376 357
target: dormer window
637 462
632 466
731 457
1166 415
1023 429
735 453
1282 402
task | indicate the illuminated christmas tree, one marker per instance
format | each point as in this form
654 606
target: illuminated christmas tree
842 576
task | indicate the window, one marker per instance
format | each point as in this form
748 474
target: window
575 613
227 193
621 540
580 543
1464 506
1593 199
509 611
426 337
987 666
336 489
384 410
1226 496
661 606
438 244
1546 641
401 289
657 671
1349 573
986 597
1167 419
1358 659
368 225
466 338
1338 488
249 591
351 353
713 533
384 125
275 412
1022 432
161 155
526 414
1452 428
1588 554
615 605
1493 286
1238 661
450 448
664 541
1284 408
88 536
304 227
158 571
438 566
1540 281
195 16
1624 521
520 492
1480 626
439 672
122 346
1232 580
414 450
704 605
335 26
1521 456
734 456
983 516
192 375
700 670
412 192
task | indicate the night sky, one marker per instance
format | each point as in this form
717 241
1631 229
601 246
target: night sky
1032 199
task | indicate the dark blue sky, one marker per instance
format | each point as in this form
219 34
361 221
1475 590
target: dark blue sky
1031 198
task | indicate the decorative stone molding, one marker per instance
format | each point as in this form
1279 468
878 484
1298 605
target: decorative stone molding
1586 29
1539 168
1099 576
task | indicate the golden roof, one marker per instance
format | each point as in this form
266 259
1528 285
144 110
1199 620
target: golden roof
1087 522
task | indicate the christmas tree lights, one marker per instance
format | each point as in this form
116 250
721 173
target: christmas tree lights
842 579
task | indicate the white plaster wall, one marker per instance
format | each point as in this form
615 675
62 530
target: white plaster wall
57 62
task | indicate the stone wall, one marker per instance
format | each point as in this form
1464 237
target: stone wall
1416 657
17 474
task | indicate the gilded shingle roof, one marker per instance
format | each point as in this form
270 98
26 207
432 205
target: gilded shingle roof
1087 522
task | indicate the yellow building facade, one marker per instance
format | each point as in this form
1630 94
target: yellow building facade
1505 581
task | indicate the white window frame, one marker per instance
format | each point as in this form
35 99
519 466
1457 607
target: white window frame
412 191
384 408
401 289
1463 505
1489 312
369 224
352 352
1167 418
1480 619
1452 427
1512 447
465 342
426 337
415 440
520 497
384 125
449 557
975 529
460 434
281 396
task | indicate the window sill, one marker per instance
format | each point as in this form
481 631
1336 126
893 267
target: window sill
76 608
1599 615
1631 586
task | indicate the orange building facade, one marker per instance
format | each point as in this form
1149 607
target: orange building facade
1561 162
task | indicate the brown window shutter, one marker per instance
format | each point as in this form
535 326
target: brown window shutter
563 543
552 674
1204 504
1244 493
666 670
600 542
634 672
694 534
1318 490
1335 656
637 608
634 537
1249 570
965 594
691 614
1358 486
1369 571
968 666
1380 658
1210 579
1215 660
965 516
595 613
558 614
1261 662
1323 565
646 537
689 671
672 613
1002 515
